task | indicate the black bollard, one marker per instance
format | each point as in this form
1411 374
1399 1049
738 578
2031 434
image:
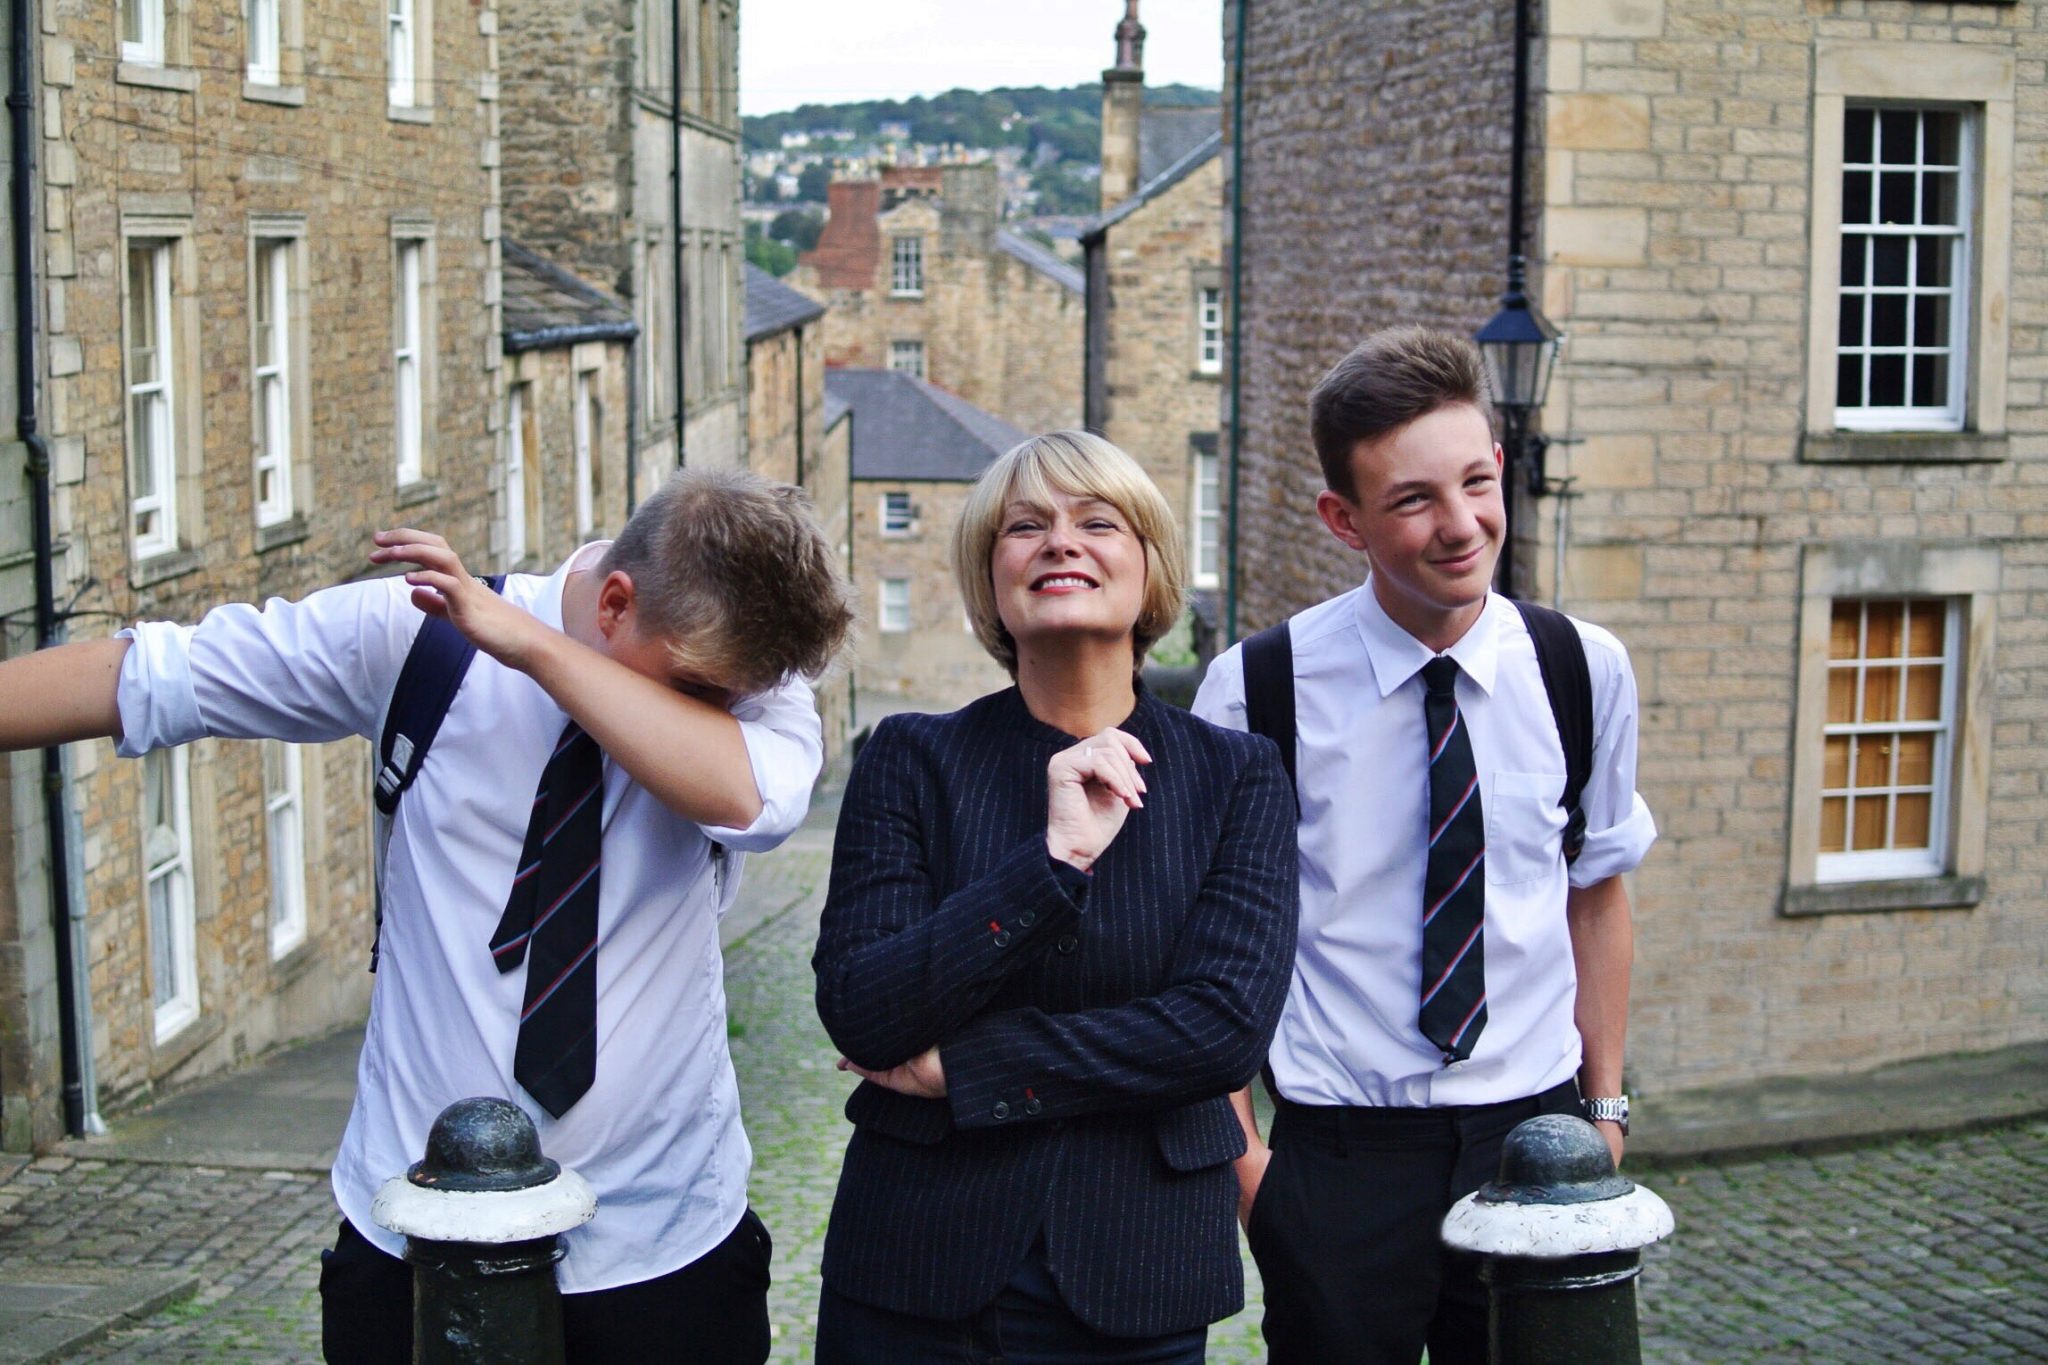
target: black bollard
482 1215
1562 1234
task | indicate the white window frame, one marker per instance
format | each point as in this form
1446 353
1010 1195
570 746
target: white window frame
893 604
584 422
265 22
407 362
1209 330
272 378
284 811
153 447
167 872
147 47
1855 299
401 52
1205 472
906 266
898 514
906 356
517 397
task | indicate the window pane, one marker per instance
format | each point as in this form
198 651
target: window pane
1849 381
1868 821
1912 812
1930 381
1842 697
1887 381
142 412
1834 824
1930 320
1888 320
1927 629
1835 770
1845 625
1898 136
1916 760
1942 137
1856 197
163 969
1888 261
1940 198
1934 264
1923 692
1858 132
1880 697
1853 250
1870 763
1895 198
1881 634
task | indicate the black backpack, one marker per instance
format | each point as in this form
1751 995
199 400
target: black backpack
1560 655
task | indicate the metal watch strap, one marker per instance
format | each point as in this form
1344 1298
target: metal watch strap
1607 1109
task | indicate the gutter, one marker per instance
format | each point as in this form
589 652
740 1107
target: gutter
64 919
1236 320
549 338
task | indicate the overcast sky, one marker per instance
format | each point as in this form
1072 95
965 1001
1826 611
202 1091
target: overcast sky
829 51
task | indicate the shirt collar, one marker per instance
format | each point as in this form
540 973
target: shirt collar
548 606
1396 656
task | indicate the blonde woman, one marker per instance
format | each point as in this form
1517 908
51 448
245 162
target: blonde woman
1058 935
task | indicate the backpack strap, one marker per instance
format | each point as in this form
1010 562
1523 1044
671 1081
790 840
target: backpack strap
427 683
1561 657
1268 659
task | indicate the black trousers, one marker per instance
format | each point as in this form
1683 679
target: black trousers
714 1311
1346 1230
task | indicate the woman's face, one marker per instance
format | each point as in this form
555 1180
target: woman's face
1075 567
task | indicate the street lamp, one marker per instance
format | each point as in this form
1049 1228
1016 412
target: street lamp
1520 348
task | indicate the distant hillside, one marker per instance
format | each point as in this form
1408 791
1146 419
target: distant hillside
1068 121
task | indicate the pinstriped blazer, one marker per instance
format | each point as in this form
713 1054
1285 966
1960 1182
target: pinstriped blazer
1091 1027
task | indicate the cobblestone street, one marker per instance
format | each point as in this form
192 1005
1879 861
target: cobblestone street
1911 1251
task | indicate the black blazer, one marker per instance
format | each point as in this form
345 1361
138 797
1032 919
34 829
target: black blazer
1091 1027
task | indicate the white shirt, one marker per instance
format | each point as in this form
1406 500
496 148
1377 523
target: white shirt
658 1134
1349 1034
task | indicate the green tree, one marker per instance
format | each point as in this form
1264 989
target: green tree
798 228
812 180
777 258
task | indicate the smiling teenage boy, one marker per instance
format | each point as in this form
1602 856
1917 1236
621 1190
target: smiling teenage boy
553 879
1463 960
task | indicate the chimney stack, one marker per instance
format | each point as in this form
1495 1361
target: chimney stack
1123 109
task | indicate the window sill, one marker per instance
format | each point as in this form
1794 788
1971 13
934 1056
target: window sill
417 492
1901 447
906 293
262 93
1910 893
294 962
157 76
1206 376
290 531
409 113
164 567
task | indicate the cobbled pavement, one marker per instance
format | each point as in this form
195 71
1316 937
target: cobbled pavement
1910 1251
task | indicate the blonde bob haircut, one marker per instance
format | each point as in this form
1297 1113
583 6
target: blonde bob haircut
1082 465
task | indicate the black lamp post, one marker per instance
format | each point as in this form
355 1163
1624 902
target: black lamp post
1518 343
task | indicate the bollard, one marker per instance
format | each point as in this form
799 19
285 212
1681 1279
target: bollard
482 1214
1562 1233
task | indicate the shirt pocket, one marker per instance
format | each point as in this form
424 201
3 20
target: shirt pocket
1524 827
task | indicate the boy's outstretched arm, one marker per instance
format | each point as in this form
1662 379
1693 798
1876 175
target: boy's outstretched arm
57 695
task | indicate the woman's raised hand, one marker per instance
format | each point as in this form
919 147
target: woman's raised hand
1090 789
442 587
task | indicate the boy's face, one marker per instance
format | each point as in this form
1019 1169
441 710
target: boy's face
654 656
1428 510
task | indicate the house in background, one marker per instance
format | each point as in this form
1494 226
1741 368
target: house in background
915 452
922 278
1804 396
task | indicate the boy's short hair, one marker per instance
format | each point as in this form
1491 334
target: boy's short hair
735 573
1392 377
1081 464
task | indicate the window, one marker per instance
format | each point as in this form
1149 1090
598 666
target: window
907 357
152 371
1890 720
906 266
1905 254
167 860
142 31
264 20
270 323
1205 514
587 422
652 32
401 52
899 517
522 474
407 360
284 815
1208 331
895 605
1892 739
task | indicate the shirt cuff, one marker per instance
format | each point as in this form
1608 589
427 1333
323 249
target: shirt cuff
154 692
783 774
1618 848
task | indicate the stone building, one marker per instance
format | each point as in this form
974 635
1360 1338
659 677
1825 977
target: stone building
266 323
608 144
921 277
915 451
787 439
1802 419
1154 267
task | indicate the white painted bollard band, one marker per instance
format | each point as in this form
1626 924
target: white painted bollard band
490 1217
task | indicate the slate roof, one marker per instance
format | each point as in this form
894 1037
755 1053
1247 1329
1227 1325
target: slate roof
905 428
1045 262
836 407
1197 156
547 306
773 306
1167 134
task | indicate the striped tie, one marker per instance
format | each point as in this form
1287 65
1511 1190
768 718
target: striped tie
550 923
1454 887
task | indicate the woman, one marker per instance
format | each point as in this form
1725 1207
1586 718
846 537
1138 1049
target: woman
1059 932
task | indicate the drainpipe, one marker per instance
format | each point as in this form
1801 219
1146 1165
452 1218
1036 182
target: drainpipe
633 420
21 207
677 328
1236 317
1095 333
800 408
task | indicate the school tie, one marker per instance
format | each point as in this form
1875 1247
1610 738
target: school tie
550 923
1454 886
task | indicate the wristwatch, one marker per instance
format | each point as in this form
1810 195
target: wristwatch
1607 1110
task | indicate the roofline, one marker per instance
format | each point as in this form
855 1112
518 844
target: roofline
787 324
1180 170
552 338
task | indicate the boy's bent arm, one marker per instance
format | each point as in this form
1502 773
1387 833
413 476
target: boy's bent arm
58 695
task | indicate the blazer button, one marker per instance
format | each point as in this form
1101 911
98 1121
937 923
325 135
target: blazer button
1068 943
1028 918
1032 1105
1002 1109
1002 938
